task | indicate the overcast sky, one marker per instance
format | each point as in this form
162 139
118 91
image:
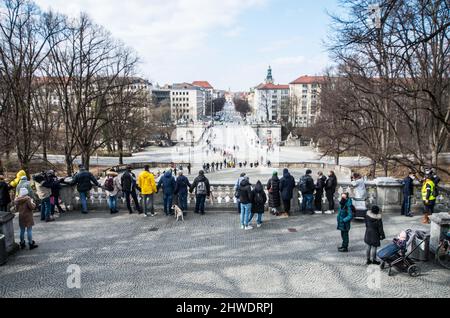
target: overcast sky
229 43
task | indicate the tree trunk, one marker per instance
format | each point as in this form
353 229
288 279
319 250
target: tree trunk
69 164
85 158
120 149
44 148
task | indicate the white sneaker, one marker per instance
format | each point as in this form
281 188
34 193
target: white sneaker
318 212
259 225
242 227
249 227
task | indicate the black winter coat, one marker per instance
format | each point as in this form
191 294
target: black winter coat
84 181
258 207
201 178
245 193
287 185
320 184
331 184
374 229
128 181
274 194
5 198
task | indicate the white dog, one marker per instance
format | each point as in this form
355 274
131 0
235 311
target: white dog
178 212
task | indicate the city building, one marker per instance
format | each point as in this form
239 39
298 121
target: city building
187 102
209 93
304 100
160 96
270 100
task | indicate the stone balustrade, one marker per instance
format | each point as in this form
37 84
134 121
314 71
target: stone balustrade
386 193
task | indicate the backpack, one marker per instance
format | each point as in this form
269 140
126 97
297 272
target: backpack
303 184
201 188
109 184
259 198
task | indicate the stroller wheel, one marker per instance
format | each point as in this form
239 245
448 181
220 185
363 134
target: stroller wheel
414 271
382 265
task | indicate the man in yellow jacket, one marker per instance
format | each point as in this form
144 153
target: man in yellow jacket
146 181
428 197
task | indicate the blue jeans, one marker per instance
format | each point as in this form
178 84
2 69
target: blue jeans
29 234
83 199
200 203
182 198
112 202
259 218
406 206
245 213
46 209
167 203
148 203
307 202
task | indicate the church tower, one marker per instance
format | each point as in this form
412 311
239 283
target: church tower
269 78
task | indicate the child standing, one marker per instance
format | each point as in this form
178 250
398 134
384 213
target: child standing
259 199
374 234
25 207
344 220
112 187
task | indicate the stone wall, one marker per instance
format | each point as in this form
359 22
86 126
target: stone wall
386 193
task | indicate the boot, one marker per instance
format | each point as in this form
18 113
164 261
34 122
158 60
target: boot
369 262
50 219
22 245
33 245
426 219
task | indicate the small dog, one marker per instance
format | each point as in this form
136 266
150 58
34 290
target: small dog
178 212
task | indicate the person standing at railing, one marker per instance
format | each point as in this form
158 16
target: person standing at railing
112 187
84 180
428 197
330 190
181 190
167 182
129 187
408 192
146 181
202 191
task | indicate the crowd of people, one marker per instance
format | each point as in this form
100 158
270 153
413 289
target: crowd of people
252 200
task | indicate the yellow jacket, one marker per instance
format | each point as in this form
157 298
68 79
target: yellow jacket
16 181
428 185
146 181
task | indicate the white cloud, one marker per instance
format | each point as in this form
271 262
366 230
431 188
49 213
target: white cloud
161 30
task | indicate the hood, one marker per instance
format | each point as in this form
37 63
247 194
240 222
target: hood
201 177
245 182
286 173
20 200
21 174
168 174
24 178
259 187
374 216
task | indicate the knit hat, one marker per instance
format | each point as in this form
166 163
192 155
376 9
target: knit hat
375 209
23 192
308 171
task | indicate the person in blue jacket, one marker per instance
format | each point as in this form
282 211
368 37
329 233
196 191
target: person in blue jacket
167 182
181 189
344 219
408 192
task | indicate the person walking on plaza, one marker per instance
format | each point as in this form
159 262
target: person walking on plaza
273 186
237 194
306 187
259 199
408 192
320 186
181 190
374 234
202 191
43 186
330 190
112 187
84 180
189 168
344 219
5 198
428 197
128 183
25 206
287 185
167 182
245 199
147 184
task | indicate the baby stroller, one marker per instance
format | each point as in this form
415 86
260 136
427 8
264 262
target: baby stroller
396 253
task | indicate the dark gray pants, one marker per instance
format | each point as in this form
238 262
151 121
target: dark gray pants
371 252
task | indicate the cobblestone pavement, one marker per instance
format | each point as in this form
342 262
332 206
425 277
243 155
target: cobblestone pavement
207 256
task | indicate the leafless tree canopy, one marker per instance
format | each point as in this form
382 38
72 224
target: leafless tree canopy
388 96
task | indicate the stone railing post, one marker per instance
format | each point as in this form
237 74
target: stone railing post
7 229
440 224
389 197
